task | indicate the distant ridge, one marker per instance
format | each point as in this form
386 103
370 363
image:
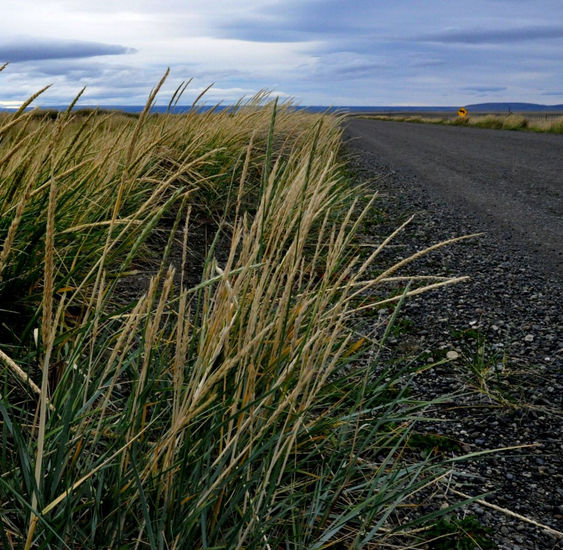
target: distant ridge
312 108
510 106
499 107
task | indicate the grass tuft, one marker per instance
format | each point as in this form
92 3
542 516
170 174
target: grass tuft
202 390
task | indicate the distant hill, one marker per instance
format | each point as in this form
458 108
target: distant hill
516 107
500 107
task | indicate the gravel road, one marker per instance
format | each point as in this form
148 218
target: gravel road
503 327
511 181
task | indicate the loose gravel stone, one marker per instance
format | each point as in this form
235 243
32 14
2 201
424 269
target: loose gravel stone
504 326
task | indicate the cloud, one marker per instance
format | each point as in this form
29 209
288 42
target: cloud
111 83
484 89
69 68
495 36
361 70
301 21
337 68
427 63
328 52
35 49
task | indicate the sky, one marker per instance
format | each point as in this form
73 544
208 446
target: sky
317 52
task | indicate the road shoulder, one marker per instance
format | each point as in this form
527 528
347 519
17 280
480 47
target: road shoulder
502 331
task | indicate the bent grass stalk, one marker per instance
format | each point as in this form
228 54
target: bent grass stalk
224 412
48 331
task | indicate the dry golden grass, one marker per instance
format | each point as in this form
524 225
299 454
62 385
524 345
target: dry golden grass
225 413
551 124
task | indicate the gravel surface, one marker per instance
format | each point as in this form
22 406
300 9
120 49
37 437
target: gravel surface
500 331
512 182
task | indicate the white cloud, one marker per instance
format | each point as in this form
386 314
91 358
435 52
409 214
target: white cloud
320 51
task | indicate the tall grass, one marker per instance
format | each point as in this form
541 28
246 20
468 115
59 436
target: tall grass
228 413
553 125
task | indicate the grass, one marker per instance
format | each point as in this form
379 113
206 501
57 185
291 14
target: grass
450 533
489 371
227 413
553 125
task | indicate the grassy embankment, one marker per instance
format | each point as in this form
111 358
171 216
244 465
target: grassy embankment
227 413
553 125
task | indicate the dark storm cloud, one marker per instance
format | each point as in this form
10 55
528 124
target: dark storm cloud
484 89
495 36
24 49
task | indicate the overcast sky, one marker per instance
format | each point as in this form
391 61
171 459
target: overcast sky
320 52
